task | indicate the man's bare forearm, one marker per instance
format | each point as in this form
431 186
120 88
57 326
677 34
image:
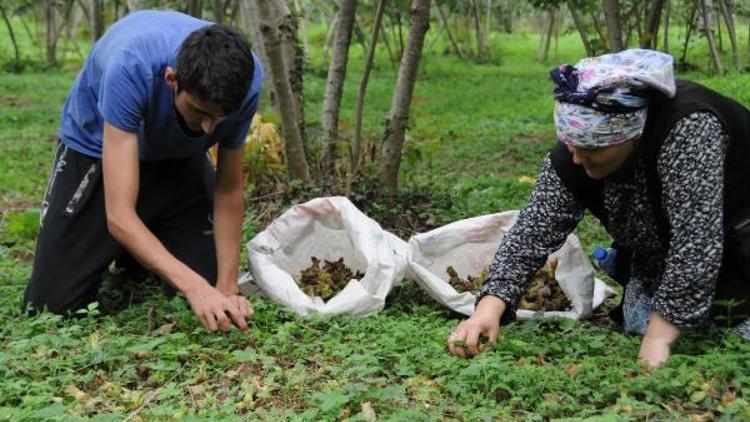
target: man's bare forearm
128 229
228 216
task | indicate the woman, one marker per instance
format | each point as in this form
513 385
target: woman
648 156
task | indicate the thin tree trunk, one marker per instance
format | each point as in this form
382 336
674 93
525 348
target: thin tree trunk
407 77
650 35
729 19
580 27
543 52
476 11
614 31
50 16
665 40
387 42
719 32
436 36
335 83
251 22
294 57
359 35
488 28
689 32
597 25
303 18
357 140
218 8
195 8
448 30
294 146
710 37
17 53
97 20
328 42
400 26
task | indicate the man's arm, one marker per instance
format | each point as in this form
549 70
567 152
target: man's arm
120 163
229 206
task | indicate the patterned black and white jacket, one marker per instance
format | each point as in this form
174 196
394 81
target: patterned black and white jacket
679 280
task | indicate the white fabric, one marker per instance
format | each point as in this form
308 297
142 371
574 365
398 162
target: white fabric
470 246
329 229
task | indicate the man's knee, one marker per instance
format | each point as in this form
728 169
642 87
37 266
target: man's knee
44 296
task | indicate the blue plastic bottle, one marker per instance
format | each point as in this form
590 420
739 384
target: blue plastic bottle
605 259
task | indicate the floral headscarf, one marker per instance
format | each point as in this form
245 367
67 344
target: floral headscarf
602 101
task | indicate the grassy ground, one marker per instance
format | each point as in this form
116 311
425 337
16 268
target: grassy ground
476 129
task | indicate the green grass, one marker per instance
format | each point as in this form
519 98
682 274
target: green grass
475 130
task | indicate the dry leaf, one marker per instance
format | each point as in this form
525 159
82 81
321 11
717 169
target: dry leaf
166 328
368 413
80 396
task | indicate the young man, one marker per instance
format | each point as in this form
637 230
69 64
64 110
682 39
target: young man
664 166
131 173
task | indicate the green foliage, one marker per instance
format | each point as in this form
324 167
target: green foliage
475 131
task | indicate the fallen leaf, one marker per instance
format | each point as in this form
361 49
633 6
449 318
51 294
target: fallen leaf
368 413
527 179
572 369
80 396
166 328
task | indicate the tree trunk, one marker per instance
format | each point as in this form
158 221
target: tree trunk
294 146
580 27
357 141
16 51
294 55
665 40
597 25
448 30
305 34
543 51
53 30
387 42
689 31
134 5
650 35
195 8
477 13
218 8
251 22
400 26
328 42
407 76
488 28
97 20
729 19
335 83
614 31
710 37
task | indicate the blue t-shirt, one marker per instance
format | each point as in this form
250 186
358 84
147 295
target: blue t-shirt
122 82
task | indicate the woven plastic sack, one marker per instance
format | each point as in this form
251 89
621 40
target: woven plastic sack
328 229
469 246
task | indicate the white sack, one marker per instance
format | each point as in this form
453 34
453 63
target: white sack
328 229
470 245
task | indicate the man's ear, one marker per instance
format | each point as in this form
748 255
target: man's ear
171 77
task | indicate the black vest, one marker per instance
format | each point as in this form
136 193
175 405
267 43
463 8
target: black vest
663 114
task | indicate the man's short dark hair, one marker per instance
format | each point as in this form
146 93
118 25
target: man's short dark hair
216 64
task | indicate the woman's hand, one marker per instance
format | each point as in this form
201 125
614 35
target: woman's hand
485 321
657 341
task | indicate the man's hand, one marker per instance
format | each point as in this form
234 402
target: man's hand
485 321
657 341
215 310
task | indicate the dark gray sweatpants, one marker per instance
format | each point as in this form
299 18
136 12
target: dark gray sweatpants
75 247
